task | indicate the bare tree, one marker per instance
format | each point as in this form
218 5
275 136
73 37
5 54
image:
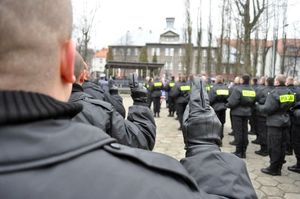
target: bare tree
188 38
256 48
228 14
220 49
265 28
209 34
284 24
85 28
249 23
199 40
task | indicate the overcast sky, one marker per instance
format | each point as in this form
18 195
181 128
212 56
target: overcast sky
115 17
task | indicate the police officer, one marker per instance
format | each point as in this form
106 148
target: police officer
261 117
296 90
131 132
171 100
241 101
101 92
252 120
182 95
277 105
296 138
236 82
155 90
148 85
218 98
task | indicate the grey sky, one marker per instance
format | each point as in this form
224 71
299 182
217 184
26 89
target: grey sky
115 17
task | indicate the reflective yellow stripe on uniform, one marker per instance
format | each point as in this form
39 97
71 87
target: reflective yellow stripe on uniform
185 88
171 84
286 98
222 92
247 93
157 84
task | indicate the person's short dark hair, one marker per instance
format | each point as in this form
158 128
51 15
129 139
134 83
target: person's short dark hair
246 79
270 81
254 80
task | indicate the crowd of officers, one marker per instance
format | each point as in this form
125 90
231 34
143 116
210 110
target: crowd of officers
271 106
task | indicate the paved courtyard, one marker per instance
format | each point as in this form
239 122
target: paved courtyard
169 141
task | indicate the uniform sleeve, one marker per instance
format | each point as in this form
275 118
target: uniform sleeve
137 131
219 173
116 103
270 106
212 95
234 99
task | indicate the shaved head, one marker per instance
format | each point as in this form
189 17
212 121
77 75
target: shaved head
32 36
280 80
79 65
289 81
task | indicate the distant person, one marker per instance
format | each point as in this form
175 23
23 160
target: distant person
171 100
278 103
218 98
241 102
155 90
131 132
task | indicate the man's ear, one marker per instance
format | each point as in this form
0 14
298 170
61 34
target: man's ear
67 62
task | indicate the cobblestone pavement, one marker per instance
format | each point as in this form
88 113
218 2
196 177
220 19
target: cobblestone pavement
169 141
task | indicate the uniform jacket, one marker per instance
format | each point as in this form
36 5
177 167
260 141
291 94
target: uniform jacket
218 95
138 130
278 103
98 92
47 155
261 96
241 100
182 92
155 88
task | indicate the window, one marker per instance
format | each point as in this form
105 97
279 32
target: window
166 65
128 51
136 52
158 51
180 66
114 52
167 52
171 66
171 51
152 51
180 52
204 53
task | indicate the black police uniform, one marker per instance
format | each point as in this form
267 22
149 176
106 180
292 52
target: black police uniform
241 101
218 98
47 155
182 95
147 85
98 92
139 130
261 119
252 120
296 137
232 132
289 138
156 89
171 100
277 104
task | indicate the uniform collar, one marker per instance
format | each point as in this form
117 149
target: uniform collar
22 107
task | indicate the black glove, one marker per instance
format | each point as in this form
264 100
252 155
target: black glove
200 122
139 95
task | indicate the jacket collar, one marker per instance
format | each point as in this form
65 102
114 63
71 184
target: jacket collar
19 107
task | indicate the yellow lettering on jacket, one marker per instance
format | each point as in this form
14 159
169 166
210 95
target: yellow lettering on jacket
171 84
248 93
157 84
185 88
286 98
222 92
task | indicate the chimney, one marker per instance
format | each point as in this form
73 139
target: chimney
170 22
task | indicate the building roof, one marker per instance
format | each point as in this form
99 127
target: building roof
101 53
133 65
